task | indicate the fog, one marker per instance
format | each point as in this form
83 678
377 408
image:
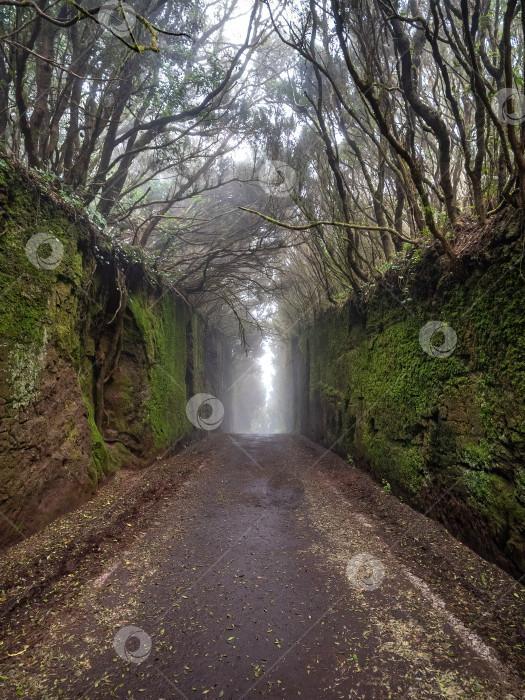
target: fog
257 389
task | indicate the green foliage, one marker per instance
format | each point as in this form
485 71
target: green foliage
162 324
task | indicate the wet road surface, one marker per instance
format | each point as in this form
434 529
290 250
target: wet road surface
242 588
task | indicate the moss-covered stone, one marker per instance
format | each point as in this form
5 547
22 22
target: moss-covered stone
54 326
429 425
162 323
101 463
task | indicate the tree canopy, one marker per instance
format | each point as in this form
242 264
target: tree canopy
265 148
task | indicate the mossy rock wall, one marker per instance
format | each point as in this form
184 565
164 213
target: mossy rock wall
447 433
54 327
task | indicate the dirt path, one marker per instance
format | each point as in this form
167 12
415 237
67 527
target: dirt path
240 587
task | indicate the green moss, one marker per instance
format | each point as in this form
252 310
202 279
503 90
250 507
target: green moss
24 367
401 465
422 421
40 307
35 300
495 499
383 373
52 323
476 456
102 463
162 323
198 353
329 392
124 389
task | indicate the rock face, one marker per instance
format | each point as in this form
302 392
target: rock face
66 303
439 418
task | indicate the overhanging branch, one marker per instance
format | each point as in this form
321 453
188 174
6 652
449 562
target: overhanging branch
313 224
